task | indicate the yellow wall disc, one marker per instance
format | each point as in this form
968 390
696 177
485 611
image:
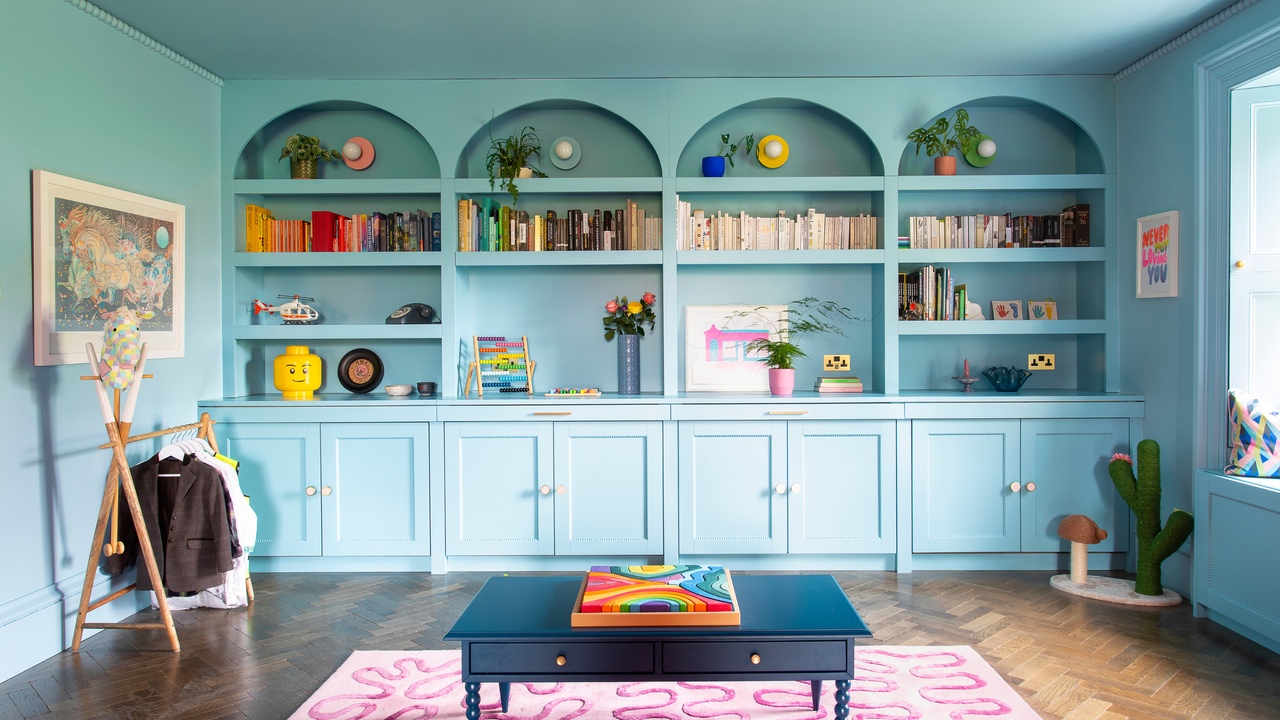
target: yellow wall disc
771 162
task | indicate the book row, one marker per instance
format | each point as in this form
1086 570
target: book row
330 232
1070 228
484 225
697 230
930 293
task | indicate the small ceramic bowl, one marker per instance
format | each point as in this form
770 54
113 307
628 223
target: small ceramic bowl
426 388
1006 379
398 389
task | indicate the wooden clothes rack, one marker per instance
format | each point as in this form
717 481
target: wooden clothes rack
118 423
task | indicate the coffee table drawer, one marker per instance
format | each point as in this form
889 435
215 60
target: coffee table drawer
542 658
736 657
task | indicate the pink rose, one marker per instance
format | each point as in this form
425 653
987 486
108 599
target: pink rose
1122 456
611 306
649 298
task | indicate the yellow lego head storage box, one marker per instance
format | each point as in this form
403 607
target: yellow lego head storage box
298 372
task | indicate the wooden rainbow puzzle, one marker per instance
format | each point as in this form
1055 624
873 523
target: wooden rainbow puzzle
501 364
648 595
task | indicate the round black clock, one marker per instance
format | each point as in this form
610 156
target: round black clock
360 370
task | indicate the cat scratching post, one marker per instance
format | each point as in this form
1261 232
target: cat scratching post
1083 532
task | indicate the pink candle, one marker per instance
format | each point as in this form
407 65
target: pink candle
966 368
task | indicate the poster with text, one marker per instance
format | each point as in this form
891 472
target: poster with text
1158 255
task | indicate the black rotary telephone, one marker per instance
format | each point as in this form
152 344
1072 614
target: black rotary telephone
412 314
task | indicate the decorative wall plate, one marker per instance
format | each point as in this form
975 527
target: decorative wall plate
574 156
360 370
765 147
974 158
364 159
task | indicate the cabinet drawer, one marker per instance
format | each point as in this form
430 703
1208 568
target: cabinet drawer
540 658
735 657
790 411
551 412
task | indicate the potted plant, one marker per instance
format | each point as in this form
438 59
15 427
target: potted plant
805 316
509 156
713 165
943 137
626 320
302 151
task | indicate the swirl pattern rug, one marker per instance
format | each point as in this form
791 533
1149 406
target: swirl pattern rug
911 683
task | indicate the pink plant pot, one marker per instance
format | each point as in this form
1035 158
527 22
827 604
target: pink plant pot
782 382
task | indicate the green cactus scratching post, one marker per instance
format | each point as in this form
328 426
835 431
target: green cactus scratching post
1142 493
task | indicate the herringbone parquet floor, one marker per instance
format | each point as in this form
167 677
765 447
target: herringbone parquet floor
1071 658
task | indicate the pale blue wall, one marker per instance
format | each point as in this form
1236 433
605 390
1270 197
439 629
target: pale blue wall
1157 172
81 99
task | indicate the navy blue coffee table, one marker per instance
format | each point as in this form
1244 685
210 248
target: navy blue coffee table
794 627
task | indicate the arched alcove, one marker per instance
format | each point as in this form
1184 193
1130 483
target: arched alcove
400 150
610 145
821 142
1031 139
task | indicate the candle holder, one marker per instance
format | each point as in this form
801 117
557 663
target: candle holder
965 379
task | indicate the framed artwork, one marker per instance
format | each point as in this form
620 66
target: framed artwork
1006 310
1047 310
95 250
715 354
1158 255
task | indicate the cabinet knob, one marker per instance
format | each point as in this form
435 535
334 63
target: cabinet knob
1015 487
755 659
326 491
795 489
561 660
781 489
1031 487
545 489
311 490
1239 263
560 490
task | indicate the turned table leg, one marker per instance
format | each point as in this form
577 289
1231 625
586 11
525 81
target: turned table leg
473 701
842 699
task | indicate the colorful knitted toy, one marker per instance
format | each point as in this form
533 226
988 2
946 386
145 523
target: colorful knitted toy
1143 496
120 347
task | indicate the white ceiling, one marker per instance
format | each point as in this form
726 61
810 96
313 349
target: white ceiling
659 38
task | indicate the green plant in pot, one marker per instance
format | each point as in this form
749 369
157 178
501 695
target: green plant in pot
944 136
713 165
806 316
303 151
509 156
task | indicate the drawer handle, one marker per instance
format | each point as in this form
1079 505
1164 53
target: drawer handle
326 491
560 491
559 413
788 412
755 659
561 660
781 489
311 490
545 489
795 489
1031 487
1015 487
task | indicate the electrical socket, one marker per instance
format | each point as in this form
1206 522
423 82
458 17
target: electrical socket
835 363
1041 361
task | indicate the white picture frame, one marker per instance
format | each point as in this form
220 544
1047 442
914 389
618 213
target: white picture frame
1038 310
720 363
95 249
1158 255
1007 310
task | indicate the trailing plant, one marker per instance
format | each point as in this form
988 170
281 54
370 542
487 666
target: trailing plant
727 150
306 147
509 154
802 317
628 318
944 136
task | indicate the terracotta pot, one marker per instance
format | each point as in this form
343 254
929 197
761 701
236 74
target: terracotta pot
782 382
945 165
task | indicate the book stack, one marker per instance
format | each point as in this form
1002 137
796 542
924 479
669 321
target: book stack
841 384
1070 228
330 232
699 230
484 225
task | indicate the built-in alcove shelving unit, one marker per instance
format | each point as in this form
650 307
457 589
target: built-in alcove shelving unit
1046 161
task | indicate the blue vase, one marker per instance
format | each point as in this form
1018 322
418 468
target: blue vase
713 166
628 364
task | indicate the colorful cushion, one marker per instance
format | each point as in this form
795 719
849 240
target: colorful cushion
1255 432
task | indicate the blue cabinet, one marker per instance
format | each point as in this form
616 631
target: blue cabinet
280 472
608 497
1064 472
375 496
733 487
841 486
965 483
498 488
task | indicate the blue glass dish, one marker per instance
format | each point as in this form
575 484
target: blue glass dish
1006 379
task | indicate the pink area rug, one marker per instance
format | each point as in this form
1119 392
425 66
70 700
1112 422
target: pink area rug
911 683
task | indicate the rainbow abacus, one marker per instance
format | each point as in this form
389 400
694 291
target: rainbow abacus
501 365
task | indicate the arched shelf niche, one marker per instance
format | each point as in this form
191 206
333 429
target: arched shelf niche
1031 139
820 141
400 150
610 145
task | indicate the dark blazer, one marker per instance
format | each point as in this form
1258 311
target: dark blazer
198 550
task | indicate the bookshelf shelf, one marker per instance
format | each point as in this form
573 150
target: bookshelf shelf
560 258
1002 255
1002 182
426 186
780 257
779 184
337 332
336 259
554 185
998 327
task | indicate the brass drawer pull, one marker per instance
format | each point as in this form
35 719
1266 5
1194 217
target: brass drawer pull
326 491
1015 487
561 660
311 490
788 412
755 659
560 489
551 413
1031 487
545 489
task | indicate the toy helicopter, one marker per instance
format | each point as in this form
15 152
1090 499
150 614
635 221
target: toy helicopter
294 312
